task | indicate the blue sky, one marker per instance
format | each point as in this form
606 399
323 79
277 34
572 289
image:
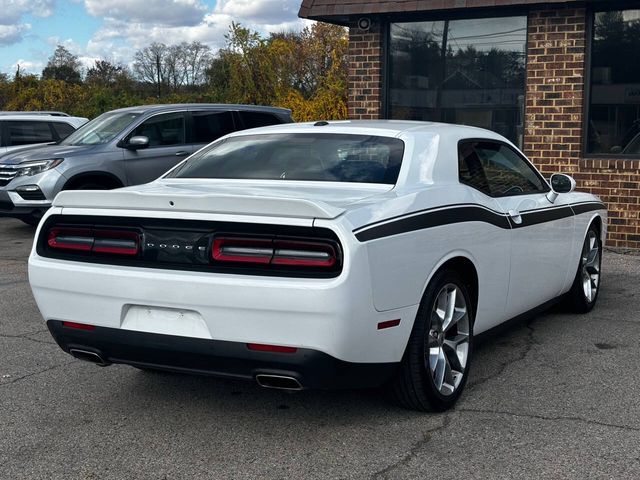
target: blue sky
115 29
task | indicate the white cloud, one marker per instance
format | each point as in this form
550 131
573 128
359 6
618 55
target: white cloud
265 12
14 10
28 66
10 34
162 12
12 25
130 25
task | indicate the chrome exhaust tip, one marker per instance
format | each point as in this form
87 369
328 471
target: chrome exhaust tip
88 356
278 382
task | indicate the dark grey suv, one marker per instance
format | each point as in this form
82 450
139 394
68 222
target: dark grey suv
119 148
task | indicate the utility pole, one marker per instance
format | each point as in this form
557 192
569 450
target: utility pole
158 72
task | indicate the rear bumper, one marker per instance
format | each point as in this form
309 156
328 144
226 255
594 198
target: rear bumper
312 369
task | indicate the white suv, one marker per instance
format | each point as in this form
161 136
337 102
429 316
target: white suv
21 129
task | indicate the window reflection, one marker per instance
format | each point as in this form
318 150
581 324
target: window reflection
469 72
614 113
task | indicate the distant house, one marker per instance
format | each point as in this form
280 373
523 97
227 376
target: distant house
559 78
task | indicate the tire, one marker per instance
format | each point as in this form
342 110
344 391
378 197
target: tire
432 374
583 294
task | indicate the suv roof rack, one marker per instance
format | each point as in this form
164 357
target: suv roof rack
38 112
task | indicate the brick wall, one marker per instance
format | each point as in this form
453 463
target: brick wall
555 89
556 68
365 72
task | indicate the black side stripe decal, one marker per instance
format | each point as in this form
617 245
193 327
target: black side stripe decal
536 217
579 208
434 219
447 216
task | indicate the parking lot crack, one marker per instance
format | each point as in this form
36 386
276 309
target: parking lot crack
27 336
413 451
549 418
526 349
52 367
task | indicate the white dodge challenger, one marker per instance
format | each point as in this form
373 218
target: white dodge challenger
324 255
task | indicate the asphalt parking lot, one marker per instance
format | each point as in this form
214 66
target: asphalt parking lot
556 397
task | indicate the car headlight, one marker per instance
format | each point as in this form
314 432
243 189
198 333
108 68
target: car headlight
28 169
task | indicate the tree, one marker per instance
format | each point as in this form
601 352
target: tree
196 57
173 67
150 65
104 72
64 66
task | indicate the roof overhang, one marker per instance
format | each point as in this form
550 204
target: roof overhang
342 12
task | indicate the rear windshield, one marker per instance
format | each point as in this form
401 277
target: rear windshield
291 156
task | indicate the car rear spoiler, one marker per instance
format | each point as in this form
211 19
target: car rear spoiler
208 203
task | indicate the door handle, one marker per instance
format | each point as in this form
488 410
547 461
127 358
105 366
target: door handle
515 216
182 153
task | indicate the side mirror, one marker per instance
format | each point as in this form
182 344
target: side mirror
137 143
560 183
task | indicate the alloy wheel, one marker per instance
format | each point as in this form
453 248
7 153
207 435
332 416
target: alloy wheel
590 266
447 341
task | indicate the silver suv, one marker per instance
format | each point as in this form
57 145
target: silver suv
123 147
21 129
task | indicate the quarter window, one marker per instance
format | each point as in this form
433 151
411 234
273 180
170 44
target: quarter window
162 130
497 170
208 126
258 119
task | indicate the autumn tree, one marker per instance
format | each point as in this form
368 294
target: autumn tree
106 73
64 66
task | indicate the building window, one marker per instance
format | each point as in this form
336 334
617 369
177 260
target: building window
470 72
614 106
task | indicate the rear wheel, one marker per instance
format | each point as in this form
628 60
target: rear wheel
586 284
435 366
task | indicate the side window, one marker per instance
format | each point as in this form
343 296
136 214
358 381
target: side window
507 173
162 130
208 126
62 129
27 132
258 119
470 170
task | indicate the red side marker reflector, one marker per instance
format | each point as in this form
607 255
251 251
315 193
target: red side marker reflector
78 326
388 324
258 347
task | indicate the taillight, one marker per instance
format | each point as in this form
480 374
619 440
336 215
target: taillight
114 242
303 253
274 251
245 250
70 239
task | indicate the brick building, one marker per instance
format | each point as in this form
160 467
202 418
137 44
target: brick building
560 78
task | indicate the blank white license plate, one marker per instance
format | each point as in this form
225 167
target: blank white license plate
167 321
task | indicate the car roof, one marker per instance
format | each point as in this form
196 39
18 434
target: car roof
391 128
34 112
41 118
202 106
